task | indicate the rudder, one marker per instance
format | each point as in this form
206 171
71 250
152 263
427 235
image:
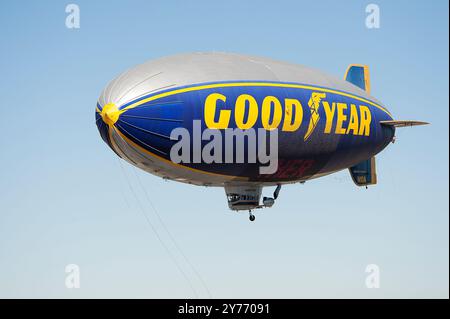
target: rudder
358 74
364 173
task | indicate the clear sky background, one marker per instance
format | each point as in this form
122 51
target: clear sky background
66 199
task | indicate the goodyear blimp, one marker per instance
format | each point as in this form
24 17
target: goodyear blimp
243 122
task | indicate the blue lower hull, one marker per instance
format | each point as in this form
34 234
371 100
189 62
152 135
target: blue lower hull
334 132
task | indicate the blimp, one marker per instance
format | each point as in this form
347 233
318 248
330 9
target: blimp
244 123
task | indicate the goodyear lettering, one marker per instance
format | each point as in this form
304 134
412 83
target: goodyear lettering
287 114
366 118
353 123
210 111
329 113
292 106
271 106
341 118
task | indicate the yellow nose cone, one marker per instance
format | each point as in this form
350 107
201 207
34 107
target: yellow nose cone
110 114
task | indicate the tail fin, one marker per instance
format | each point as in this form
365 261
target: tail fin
358 75
364 173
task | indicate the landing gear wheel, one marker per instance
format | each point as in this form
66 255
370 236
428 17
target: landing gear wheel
251 217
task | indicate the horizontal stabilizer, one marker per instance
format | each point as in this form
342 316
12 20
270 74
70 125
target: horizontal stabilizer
403 123
364 173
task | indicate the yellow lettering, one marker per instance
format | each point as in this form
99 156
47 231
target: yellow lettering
353 125
292 105
329 113
366 118
210 112
266 111
240 111
341 117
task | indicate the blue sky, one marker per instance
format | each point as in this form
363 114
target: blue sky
66 198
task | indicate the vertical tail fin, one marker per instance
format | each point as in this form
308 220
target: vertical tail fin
358 75
364 173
